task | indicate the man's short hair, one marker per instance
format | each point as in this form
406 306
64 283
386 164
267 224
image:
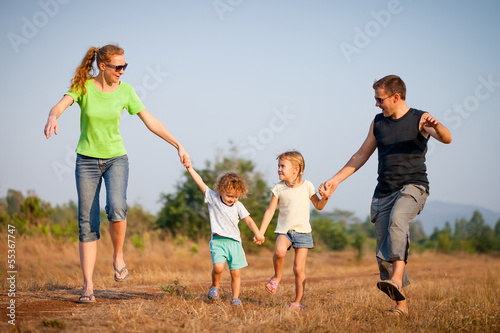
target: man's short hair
392 84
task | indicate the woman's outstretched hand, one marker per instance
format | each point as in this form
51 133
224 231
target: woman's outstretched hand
51 126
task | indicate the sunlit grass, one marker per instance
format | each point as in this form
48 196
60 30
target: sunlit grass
447 294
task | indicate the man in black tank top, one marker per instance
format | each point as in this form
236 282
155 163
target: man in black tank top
400 134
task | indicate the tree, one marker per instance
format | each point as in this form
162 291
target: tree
417 233
369 228
4 216
343 217
139 221
497 236
475 224
447 230
329 232
358 243
435 234
35 209
461 229
443 243
66 213
14 201
480 234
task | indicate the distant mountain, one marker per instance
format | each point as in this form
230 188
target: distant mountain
437 213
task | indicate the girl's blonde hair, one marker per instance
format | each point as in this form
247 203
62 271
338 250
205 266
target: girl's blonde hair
231 181
296 159
86 71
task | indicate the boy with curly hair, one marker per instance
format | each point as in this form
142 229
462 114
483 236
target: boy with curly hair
225 211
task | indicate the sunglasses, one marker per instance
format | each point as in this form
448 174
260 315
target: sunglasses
118 68
381 100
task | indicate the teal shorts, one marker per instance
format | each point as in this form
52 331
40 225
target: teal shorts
224 249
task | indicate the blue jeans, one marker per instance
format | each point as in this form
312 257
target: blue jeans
89 174
392 215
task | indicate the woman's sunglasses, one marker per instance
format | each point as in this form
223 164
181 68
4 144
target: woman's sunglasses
118 68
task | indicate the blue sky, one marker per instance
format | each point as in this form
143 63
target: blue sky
266 75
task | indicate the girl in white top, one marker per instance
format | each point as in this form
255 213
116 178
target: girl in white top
293 195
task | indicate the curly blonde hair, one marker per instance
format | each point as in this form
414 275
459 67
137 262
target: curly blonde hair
231 181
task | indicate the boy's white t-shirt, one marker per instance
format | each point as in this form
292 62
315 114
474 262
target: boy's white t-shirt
294 206
224 219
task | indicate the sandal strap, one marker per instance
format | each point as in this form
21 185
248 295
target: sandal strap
396 310
121 270
86 296
296 305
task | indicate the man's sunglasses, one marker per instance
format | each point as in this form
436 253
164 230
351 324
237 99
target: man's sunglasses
118 68
381 100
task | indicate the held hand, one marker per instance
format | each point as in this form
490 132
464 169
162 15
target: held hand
322 191
430 121
329 187
50 126
185 160
258 240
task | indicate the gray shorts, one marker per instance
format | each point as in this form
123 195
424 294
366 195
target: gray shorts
392 215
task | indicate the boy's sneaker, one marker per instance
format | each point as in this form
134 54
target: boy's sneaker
236 301
213 293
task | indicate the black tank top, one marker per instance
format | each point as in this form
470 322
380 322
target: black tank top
401 152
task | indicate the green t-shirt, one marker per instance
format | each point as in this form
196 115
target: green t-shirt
100 119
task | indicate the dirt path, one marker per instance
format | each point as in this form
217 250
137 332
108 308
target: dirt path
35 306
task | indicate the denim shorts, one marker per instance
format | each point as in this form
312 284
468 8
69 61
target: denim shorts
89 174
224 249
299 240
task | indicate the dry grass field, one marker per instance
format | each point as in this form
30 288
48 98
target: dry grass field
448 293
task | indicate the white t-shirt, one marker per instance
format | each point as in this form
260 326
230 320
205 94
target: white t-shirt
294 205
224 219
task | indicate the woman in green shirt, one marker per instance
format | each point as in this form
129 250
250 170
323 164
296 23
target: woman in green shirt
101 155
